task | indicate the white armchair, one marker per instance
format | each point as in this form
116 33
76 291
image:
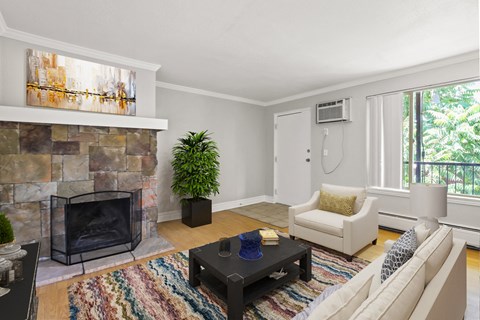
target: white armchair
347 234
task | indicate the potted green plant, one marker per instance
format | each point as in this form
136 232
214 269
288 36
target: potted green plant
6 230
195 176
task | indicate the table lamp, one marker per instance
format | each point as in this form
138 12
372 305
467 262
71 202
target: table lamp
428 202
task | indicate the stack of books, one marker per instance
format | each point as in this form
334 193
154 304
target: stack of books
269 237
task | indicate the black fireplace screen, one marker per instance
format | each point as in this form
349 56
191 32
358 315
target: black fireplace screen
95 225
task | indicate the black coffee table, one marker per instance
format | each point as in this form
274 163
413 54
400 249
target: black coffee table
239 282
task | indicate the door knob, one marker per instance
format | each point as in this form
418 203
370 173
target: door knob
308 160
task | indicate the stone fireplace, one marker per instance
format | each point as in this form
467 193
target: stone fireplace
39 160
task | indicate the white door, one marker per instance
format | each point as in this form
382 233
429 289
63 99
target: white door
292 157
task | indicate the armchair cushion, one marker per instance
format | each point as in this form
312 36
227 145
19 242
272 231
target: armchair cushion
323 221
337 203
361 194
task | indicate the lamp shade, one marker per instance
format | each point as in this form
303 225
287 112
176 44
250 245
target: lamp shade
428 200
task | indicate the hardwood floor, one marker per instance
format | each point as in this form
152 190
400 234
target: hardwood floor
53 299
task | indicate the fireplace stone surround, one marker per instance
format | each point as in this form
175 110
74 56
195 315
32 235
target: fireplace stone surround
38 160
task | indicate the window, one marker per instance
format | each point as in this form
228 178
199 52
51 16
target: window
428 136
443 125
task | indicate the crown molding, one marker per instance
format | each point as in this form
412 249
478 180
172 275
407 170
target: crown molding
83 51
10 33
384 76
177 87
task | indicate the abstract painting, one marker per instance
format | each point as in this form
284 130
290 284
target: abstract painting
56 81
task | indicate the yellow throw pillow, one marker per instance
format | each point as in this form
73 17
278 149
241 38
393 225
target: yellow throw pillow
335 203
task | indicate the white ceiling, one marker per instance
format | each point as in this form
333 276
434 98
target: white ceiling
262 50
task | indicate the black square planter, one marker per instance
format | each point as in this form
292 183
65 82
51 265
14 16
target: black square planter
197 213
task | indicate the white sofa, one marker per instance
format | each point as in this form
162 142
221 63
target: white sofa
431 285
347 234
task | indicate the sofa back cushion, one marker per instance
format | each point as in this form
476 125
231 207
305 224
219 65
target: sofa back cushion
360 193
434 250
397 296
337 203
343 303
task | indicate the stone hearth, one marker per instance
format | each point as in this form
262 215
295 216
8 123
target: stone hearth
38 160
50 271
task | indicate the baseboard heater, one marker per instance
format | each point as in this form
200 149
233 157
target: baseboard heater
400 223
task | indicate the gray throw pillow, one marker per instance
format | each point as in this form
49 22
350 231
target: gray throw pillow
402 250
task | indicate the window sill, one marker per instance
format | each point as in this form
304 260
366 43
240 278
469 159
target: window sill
453 199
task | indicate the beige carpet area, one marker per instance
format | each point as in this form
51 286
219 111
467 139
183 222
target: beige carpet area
272 213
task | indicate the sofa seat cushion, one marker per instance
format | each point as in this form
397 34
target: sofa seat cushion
323 221
397 297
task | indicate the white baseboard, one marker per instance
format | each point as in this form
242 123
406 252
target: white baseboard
177 214
269 199
237 203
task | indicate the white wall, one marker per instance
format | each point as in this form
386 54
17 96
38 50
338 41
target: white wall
352 171
237 127
13 76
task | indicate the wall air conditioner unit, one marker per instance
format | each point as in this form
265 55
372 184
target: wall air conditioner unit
334 111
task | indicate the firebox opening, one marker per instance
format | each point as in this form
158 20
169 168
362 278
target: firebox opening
98 224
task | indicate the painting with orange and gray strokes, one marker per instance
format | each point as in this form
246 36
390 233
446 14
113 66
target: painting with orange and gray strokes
57 81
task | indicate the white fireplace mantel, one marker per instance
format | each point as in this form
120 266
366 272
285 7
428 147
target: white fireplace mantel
69 117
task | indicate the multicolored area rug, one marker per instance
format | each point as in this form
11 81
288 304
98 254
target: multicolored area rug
159 289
